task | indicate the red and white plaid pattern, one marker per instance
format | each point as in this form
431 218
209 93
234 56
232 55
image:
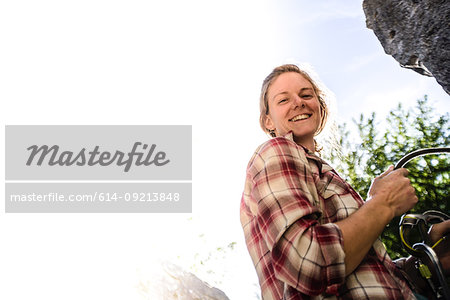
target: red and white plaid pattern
289 207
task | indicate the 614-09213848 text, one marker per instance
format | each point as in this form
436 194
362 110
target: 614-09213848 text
97 197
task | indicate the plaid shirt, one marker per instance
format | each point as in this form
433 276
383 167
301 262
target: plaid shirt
289 207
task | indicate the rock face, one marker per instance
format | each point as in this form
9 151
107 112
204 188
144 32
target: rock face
415 32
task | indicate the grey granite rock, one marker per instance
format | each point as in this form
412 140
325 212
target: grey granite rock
415 32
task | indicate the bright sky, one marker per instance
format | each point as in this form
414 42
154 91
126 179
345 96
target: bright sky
199 63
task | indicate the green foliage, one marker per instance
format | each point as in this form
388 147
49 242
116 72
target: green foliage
382 144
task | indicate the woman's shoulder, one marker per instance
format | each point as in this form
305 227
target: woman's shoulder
279 144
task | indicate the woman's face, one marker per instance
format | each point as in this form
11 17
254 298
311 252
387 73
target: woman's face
293 106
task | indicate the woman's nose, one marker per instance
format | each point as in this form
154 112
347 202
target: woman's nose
298 102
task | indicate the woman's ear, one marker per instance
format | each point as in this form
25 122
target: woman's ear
268 123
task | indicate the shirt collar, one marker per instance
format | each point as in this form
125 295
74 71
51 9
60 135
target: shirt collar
323 165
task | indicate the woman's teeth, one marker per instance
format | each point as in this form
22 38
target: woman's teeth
300 117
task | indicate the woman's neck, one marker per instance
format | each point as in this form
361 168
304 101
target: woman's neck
308 143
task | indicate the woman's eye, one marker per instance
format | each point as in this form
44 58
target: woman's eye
282 100
307 96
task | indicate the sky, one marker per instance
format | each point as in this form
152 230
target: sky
198 63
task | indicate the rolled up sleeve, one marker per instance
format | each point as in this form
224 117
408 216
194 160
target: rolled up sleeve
305 254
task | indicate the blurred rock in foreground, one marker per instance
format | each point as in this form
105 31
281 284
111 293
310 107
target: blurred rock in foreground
170 282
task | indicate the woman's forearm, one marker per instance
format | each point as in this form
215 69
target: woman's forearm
390 195
361 229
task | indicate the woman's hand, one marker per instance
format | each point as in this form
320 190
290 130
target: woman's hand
393 190
390 195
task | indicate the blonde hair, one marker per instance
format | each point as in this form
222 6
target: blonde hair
319 89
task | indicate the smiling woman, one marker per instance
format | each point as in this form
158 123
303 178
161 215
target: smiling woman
293 106
292 101
309 234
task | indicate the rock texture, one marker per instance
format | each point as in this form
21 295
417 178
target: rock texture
415 32
169 282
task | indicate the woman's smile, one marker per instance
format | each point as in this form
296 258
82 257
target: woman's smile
300 117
